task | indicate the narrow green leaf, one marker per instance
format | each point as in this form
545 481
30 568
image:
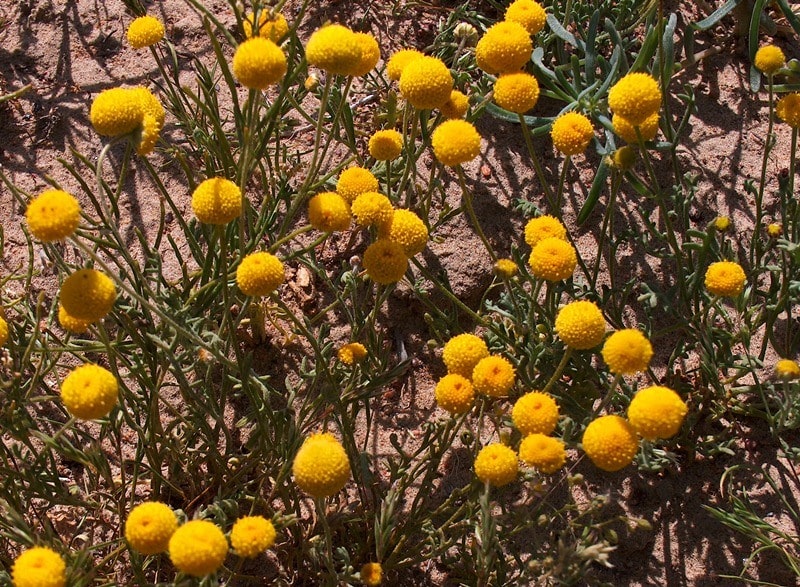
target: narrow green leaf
716 16
594 193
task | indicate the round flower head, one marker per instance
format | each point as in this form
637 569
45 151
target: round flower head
516 92
462 353
788 110
3 331
371 574
496 464
354 181
505 268
259 274
198 548
769 59
722 223
535 412
385 145
273 29
648 129
329 212
252 535
455 142
39 566
456 106
53 215
217 201
397 62
335 49
623 158
635 97
89 392
385 262
774 230
116 112
542 452
145 31
610 442
70 323
627 351
580 325
454 393
321 467
353 352
152 120
88 295
372 209
258 63
656 412
149 527
528 13
571 133
426 83
542 227
553 259
370 54
407 230
494 376
505 47
725 278
787 370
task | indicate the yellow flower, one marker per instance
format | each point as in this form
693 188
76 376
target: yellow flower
198 548
273 29
88 295
787 370
3 331
528 13
259 274
335 49
426 83
535 412
542 227
89 392
355 181
516 92
145 31
494 376
385 145
657 412
788 109
610 442
321 467
553 259
542 452
252 535
217 201
627 351
635 97
152 120
371 574
505 268
370 54
623 158
774 230
455 142
725 278
116 112
258 63
722 223
769 59
505 47
329 212
385 262
53 215
580 325
149 527
70 323
496 464
456 106
454 393
648 129
571 133
353 352
372 208
397 62
407 230
311 83
39 566
462 353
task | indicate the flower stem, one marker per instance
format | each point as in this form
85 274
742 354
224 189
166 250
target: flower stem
467 203
559 370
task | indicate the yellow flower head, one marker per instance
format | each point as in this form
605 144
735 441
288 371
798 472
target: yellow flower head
580 325
371 574
788 109
454 393
89 392
198 548
516 92
627 351
217 201
385 145
455 142
272 29
39 566
462 353
116 112
407 230
610 442
496 464
722 223
725 278
145 31
787 370
544 453
542 227
769 59
657 412
535 412
426 83
70 323
648 129
385 262
505 47
53 215
354 181
635 97
397 62
258 63
774 230
370 54
506 268
88 295
494 376
329 212
335 49
152 120
252 535
372 209
259 274
321 467
528 13
456 106
352 352
149 527
571 133
623 158
3 331
553 259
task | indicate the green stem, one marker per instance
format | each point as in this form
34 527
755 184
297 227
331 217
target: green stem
755 243
562 180
467 204
526 133
559 370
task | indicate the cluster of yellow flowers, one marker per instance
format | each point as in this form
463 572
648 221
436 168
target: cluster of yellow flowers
552 257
